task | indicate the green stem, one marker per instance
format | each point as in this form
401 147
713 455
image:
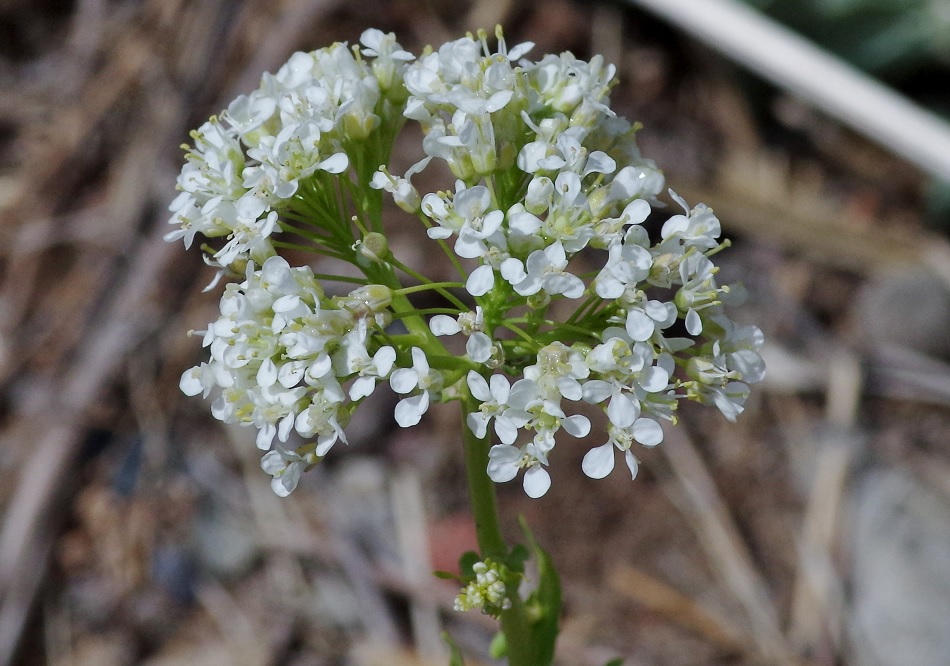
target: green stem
427 223
441 286
491 543
482 490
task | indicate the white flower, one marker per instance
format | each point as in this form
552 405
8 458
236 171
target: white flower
356 360
268 359
730 399
539 197
495 257
390 57
404 193
286 467
570 85
409 411
740 346
697 228
633 181
627 264
479 345
320 418
565 154
247 113
557 372
599 461
546 270
506 461
469 215
199 379
493 398
646 316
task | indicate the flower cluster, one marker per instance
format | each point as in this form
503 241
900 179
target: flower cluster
563 296
269 158
280 352
487 590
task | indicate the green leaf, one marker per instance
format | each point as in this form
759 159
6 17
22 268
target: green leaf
467 561
455 654
499 646
516 558
615 662
446 575
544 605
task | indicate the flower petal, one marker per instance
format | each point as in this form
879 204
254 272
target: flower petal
480 281
537 481
640 326
576 425
694 324
478 386
190 383
265 436
479 347
383 359
444 325
502 463
597 390
403 380
362 387
267 374
632 464
622 411
648 432
477 423
654 379
409 411
599 461
506 429
513 271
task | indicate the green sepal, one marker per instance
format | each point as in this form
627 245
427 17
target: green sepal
455 654
447 575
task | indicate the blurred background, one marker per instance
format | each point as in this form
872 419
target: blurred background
138 530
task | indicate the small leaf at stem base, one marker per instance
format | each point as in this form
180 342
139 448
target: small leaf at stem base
499 646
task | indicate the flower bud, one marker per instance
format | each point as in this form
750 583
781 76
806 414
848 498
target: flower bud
705 371
539 300
538 198
367 300
599 201
374 247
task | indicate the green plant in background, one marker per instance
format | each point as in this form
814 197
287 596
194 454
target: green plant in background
887 37
545 171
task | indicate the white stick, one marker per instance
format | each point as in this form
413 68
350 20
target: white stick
821 79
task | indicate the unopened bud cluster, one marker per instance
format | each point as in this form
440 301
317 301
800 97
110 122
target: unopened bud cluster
487 591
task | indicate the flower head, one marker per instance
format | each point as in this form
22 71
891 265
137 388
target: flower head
566 303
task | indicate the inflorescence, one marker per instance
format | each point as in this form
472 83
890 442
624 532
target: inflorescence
544 170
